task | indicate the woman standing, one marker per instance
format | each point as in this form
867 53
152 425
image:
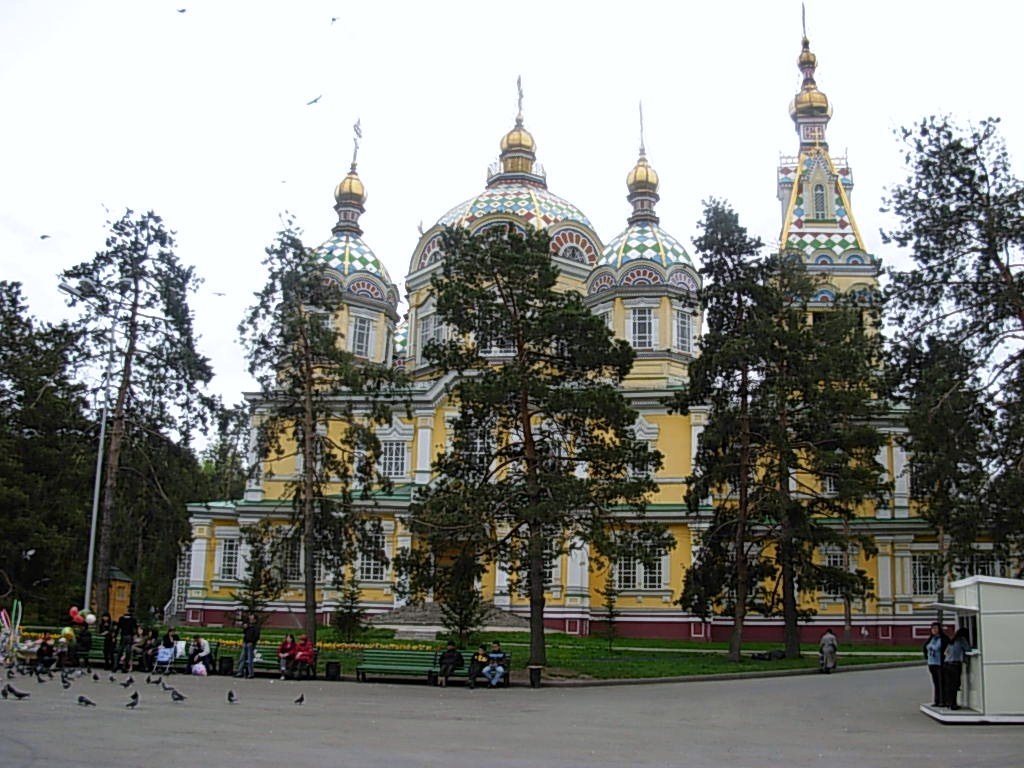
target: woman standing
934 649
108 632
956 653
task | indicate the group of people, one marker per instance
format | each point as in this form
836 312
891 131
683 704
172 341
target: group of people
490 665
293 657
946 658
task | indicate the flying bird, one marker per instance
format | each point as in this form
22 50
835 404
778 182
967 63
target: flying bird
182 10
219 293
85 701
314 101
232 699
129 682
302 698
333 19
44 237
175 696
16 693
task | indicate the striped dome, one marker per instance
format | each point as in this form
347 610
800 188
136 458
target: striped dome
532 203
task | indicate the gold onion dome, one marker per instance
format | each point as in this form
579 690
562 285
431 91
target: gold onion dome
810 101
351 188
518 138
643 176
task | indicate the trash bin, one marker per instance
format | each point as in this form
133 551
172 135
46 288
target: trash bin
225 666
535 676
332 670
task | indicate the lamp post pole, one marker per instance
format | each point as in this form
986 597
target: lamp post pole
83 291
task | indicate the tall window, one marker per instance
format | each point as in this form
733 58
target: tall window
829 485
819 201
642 336
361 329
625 573
229 559
372 564
834 558
925 578
293 560
684 331
430 329
392 458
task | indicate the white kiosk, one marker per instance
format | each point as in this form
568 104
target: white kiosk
992 690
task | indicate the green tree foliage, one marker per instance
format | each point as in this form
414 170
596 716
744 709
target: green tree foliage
134 295
948 428
262 581
348 618
736 300
543 451
463 611
319 406
223 461
47 456
960 213
789 449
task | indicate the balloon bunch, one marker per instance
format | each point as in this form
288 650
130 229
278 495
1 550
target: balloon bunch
81 617
10 626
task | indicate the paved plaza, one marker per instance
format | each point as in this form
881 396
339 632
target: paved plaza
860 719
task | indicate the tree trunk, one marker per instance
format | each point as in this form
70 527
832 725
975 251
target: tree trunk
790 617
538 649
104 544
847 607
742 515
309 470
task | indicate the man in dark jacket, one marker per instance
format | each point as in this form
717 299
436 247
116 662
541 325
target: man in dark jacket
250 636
126 628
450 660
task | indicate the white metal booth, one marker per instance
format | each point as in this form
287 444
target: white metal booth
992 687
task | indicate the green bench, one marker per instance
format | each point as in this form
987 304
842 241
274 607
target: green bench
387 662
266 660
180 664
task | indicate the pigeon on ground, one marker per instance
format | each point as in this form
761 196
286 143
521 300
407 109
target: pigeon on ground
113 679
65 683
95 677
232 699
16 693
134 696
85 701
10 673
302 698
39 678
132 704
3 691
175 696
149 680
158 681
129 682
165 687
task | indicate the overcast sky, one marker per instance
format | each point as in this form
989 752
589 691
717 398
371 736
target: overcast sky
202 116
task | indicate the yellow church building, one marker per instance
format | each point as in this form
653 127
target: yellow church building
644 284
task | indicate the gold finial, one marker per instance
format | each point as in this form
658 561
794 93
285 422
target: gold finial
642 150
357 132
519 113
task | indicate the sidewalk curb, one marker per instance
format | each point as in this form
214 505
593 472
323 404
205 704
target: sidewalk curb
721 676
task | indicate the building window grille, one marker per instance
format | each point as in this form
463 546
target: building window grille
925 579
372 564
643 329
392 459
361 329
819 201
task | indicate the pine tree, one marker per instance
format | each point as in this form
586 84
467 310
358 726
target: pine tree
543 453
319 404
134 296
262 581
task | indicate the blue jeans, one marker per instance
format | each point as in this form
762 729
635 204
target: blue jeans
245 663
494 674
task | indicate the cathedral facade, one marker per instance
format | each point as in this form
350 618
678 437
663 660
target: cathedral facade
644 285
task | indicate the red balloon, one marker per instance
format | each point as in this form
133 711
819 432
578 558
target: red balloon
73 611
78 618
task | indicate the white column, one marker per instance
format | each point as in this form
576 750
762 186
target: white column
424 448
254 482
884 582
502 599
901 481
884 512
197 578
577 583
404 544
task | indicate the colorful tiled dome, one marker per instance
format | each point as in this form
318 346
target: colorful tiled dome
532 203
644 241
347 253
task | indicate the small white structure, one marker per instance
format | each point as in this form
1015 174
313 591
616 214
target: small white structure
992 690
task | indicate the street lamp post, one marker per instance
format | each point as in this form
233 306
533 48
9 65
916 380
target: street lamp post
83 291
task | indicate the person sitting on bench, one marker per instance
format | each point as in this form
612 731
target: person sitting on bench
305 656
477 664
494 671
450 660
200 653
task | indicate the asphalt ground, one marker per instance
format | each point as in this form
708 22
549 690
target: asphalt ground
854 718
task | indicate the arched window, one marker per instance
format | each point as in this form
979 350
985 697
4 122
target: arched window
819 201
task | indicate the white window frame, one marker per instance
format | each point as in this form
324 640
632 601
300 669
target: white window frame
924 579
362 335
632 575
394 459
291 566
683 330
820 211
641 328
370 568
229 559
